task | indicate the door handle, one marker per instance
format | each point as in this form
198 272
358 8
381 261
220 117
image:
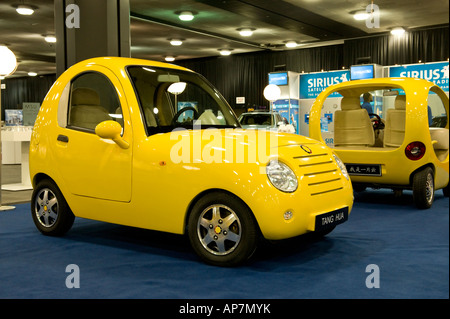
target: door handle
63 138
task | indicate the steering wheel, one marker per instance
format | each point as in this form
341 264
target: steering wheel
177 115
377 123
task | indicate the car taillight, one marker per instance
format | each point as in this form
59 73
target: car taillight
415 151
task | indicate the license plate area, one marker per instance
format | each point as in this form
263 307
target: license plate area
331 219
364 169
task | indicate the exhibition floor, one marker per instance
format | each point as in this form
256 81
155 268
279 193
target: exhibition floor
408 247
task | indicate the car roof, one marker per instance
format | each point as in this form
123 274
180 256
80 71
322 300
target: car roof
115 63
357 87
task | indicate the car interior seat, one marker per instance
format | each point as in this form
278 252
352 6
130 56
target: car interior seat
352 125
86 111
394 130
439 138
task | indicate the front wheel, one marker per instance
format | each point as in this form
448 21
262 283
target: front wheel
49 209
222 230
423 188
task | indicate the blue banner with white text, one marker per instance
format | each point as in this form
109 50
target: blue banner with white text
312 84
434 72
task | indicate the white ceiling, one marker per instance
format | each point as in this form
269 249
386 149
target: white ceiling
153 22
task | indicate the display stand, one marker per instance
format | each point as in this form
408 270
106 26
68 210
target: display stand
20 134
287 105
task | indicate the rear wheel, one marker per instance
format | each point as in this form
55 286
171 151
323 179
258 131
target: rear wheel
423 188
222 230
49 209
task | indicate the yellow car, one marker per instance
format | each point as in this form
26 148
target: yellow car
402 145
153 145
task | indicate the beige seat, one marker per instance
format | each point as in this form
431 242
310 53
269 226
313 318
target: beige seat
439 136
86 111
352 125
394 131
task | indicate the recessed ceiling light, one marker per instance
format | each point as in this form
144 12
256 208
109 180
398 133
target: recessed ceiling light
225 51
32 73
361 15
169 58
246 32
186 16
291 44
397 31
24 10
50 38
176 42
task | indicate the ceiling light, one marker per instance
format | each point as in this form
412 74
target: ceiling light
176 42
24 10
397 31
245 32
361 15
186 16
50 38
32 73
169 58
291 44
8 61
225 51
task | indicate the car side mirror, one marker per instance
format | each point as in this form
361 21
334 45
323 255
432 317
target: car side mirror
111 130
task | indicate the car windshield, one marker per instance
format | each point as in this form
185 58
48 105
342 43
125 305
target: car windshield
256 119
172 98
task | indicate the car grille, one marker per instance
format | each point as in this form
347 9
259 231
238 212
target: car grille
320 173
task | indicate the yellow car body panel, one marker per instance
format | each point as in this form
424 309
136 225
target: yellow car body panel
396 168
143 186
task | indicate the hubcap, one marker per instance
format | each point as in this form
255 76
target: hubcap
429 190
219 229
46 207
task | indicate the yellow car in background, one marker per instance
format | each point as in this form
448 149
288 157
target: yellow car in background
404 146
153 145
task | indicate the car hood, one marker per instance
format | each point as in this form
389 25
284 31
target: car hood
237 145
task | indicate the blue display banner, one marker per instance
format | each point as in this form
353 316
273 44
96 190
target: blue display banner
313 83
278 78
362 72
434 72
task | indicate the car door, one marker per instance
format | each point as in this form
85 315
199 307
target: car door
91 166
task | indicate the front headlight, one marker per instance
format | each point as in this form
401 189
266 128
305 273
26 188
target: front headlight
281 176
341 166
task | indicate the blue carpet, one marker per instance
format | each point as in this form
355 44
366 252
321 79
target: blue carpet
410 247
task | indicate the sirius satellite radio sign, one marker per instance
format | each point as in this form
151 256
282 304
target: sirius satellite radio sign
433 72
313 83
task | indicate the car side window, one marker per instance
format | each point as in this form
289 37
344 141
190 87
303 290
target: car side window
437 114
93 100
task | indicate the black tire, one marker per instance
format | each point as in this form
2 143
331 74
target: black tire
445 190
222 230
423 188
49 209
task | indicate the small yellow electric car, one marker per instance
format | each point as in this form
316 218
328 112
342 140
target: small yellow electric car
404 144
153 145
